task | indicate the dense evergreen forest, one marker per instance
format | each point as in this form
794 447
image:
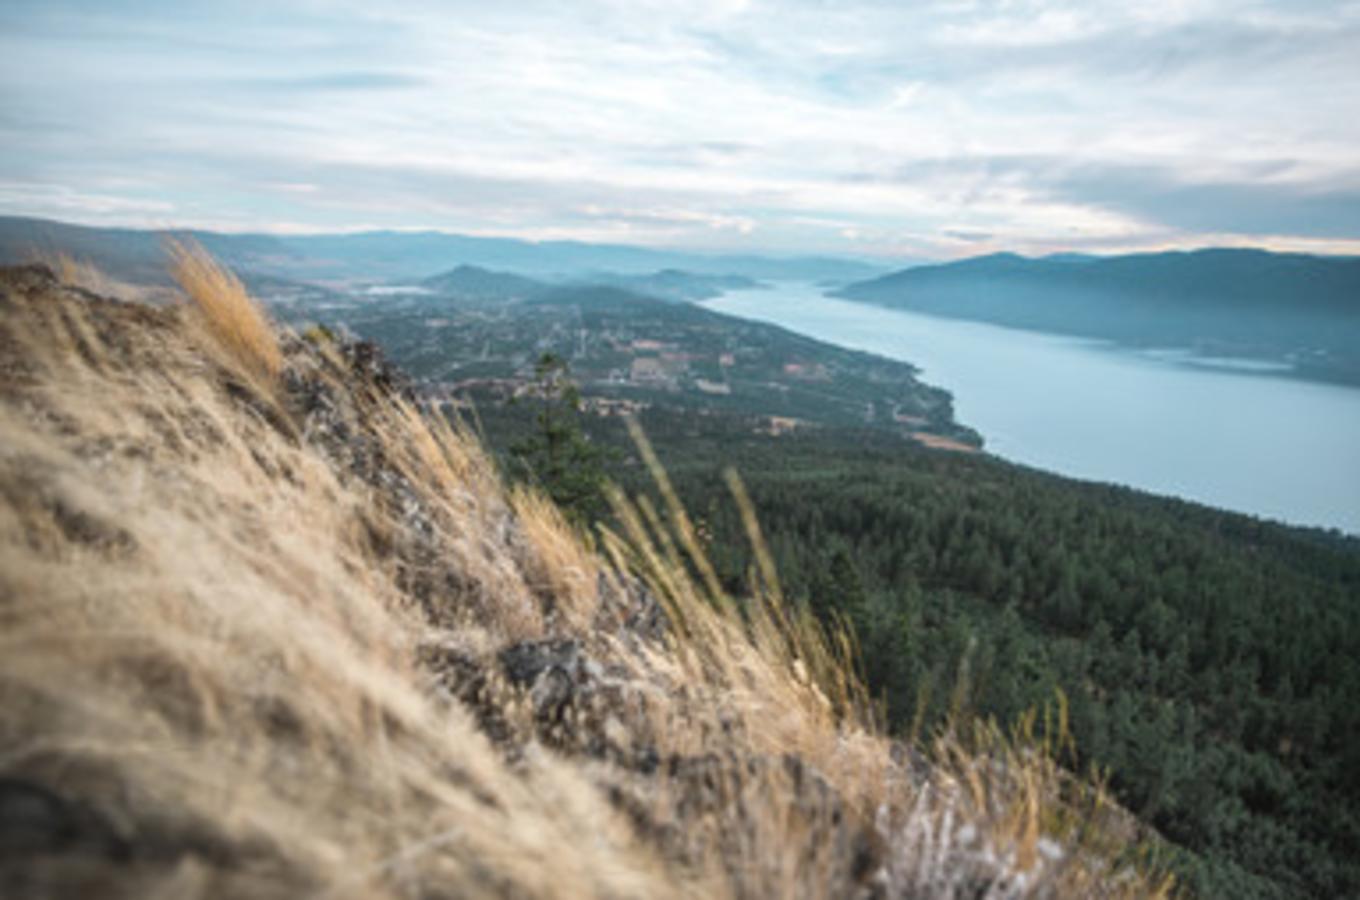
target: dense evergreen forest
1209 658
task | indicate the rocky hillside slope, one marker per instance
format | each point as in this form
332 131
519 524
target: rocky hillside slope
269 629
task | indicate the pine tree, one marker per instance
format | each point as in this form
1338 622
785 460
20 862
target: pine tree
557 455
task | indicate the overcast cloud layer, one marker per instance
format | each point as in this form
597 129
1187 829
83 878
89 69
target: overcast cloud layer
868 127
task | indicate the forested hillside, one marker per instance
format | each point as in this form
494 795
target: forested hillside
1301 312
1208 659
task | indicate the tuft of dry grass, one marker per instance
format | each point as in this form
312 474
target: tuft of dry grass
82 274
86 276
562 569
226 310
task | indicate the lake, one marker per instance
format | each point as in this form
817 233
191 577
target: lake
1205 430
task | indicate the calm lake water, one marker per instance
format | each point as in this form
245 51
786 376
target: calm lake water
1253 442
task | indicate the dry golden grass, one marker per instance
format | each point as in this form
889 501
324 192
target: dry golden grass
79 273
233 320
561 568
206 653
996 816
86 276
218 629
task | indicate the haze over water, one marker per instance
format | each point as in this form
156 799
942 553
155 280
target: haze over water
1261 444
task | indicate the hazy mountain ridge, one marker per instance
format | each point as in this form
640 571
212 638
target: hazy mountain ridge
467 282
1295 308
136 255
476 282
395 255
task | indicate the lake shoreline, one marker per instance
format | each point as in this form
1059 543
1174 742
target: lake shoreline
1267 444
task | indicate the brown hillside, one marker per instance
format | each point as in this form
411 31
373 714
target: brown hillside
271 630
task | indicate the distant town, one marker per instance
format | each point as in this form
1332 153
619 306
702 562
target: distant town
629 352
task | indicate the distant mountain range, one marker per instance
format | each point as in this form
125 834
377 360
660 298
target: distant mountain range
1299 310
392 255
474 283
1304 310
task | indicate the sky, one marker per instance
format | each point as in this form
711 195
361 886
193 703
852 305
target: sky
875 128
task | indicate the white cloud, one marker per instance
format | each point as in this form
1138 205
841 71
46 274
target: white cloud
684 121
63 200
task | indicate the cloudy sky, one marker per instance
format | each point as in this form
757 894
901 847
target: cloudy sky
919 128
